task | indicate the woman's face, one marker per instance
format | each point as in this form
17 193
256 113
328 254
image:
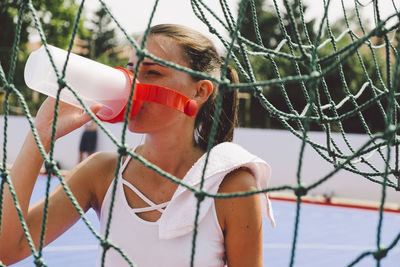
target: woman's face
155 117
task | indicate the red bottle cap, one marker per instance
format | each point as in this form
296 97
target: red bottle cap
157 94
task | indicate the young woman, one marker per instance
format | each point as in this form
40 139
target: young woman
152 219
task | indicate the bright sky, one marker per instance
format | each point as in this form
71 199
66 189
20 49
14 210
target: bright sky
134 14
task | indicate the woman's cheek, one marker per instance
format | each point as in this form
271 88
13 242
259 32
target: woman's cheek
152 116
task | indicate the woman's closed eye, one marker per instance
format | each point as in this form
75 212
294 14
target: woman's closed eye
130 67
152 69
153 72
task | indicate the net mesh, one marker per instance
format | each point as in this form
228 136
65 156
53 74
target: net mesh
321 106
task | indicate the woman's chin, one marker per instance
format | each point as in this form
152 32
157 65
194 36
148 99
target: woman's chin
134 129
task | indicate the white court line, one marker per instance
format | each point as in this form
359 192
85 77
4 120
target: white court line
323 247
266 245
70 248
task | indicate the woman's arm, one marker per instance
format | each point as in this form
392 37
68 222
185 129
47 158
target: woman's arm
241 221
13 244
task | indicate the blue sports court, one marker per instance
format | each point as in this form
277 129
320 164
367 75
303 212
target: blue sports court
328 236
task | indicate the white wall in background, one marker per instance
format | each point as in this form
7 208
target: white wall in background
279 148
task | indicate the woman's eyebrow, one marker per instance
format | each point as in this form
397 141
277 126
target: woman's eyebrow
147 63
151 63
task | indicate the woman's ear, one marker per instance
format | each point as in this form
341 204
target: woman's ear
204 89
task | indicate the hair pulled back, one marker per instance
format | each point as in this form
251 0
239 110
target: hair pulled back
203 56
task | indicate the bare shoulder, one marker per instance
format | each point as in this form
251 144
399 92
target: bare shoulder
238 180
100 161
97 172
233 209
240 220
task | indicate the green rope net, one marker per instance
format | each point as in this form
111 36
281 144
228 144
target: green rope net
310 70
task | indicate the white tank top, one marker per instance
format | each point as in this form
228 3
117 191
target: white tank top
168 241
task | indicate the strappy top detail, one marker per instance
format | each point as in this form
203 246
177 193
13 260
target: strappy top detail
153 206
124 164
171 237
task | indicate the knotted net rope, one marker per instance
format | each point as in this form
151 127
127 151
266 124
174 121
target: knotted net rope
297 47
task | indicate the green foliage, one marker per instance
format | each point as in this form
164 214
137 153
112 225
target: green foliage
347 77
8 18
272 34
103 35
101 41
112 60
356 70
57 19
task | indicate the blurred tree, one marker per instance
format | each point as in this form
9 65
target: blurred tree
57 18
356 70
272 34
101 40
103 35
8 18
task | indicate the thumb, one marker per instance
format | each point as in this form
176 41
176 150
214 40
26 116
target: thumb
95 108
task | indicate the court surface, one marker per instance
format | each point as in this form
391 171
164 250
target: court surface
328 236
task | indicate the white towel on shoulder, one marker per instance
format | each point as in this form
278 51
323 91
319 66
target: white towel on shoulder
178 217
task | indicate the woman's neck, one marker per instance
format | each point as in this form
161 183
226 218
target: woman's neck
172 153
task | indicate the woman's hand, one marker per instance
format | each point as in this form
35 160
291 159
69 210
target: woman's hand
69 118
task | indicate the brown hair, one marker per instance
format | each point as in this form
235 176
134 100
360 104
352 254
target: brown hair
203 56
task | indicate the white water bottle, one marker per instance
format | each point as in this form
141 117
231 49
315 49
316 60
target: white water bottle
94 82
